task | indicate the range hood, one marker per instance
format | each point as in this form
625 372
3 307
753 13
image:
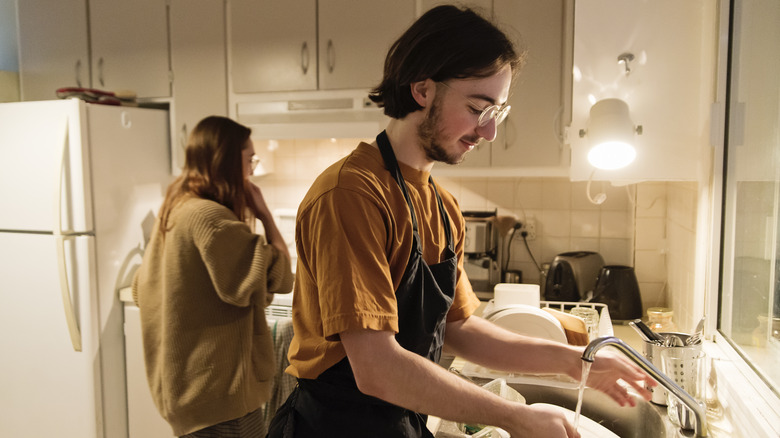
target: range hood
314 114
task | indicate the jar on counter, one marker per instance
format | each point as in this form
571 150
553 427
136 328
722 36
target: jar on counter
660 320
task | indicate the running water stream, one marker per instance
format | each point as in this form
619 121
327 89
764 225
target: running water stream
585 371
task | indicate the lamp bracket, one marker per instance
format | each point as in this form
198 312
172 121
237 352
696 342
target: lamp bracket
625 59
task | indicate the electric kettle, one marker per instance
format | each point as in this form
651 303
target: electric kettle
618 288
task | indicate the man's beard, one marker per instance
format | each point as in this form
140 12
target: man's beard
428 133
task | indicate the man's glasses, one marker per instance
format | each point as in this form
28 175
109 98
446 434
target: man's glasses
497 112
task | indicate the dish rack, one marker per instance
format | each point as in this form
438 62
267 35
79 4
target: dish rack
560 381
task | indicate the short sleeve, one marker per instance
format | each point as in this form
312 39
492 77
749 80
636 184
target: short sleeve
347 242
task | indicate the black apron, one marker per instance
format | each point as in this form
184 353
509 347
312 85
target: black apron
331 404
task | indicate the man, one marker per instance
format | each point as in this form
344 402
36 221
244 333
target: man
380 278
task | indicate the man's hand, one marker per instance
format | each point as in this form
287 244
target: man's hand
610 372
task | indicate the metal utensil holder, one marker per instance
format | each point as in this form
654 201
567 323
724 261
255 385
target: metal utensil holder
652 351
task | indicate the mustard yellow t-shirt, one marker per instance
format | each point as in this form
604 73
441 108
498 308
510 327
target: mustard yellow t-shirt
354 238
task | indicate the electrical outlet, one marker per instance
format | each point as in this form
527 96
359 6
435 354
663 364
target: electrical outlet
529 226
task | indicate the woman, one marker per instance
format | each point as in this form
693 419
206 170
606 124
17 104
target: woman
202 288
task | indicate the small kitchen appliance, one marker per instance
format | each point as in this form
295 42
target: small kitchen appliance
618 288
572 276
481 250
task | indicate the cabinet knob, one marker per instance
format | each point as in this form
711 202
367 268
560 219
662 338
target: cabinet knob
100 71
305 58
331 56
78 73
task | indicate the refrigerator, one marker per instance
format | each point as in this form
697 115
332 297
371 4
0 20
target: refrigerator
80 186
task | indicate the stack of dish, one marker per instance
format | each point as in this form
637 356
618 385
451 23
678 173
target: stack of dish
527 320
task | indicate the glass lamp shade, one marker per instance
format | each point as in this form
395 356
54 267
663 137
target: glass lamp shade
611 135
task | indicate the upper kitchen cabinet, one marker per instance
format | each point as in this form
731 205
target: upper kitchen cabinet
198 63
530 141
354 38
130 46
301 45
273 45
53 47
668 84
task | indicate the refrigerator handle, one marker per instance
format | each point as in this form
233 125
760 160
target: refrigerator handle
67 304
59 239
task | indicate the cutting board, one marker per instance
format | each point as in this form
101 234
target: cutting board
573 326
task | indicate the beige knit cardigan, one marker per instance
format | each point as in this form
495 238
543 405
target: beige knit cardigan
202 290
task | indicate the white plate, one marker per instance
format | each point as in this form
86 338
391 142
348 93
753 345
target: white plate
587 427
530 321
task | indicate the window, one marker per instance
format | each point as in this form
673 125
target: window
750 265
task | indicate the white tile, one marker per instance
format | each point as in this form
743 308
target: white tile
650 266
650 233
528 193
473 195
585 223
552 246
579 196
651 199
616 251
286 166
584 244
652 294
617 198
557 223
556 194
616 224
309 149
500 194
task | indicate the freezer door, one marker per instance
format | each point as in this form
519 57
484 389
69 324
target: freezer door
48 388
44 178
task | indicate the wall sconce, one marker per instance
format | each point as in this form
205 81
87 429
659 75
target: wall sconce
611 135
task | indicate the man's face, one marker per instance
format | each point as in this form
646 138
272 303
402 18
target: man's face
450 127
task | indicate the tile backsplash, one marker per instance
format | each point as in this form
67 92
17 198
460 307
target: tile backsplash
650 225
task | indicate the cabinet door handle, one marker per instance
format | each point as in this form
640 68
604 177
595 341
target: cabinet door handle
100 71
331 56
78 73
305 58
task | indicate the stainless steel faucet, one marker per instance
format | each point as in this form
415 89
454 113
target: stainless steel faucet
698 409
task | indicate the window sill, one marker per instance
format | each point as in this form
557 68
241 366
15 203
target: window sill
750 407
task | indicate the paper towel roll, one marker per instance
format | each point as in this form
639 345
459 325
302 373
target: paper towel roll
507 294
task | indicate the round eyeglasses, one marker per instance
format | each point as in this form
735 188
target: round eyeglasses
492 112
254 162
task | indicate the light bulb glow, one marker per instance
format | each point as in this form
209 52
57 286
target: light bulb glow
611 155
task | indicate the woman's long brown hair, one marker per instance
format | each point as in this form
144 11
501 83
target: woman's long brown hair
212 168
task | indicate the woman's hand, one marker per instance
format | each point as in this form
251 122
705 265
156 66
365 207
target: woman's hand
255 201
259 208
610 372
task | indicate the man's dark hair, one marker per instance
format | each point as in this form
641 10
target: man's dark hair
446 42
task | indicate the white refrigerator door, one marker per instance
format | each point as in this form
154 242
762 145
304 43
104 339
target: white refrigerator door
44 178
48 389
130 173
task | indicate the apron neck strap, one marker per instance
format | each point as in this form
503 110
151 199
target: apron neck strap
391 163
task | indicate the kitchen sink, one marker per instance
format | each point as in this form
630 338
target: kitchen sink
643 420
